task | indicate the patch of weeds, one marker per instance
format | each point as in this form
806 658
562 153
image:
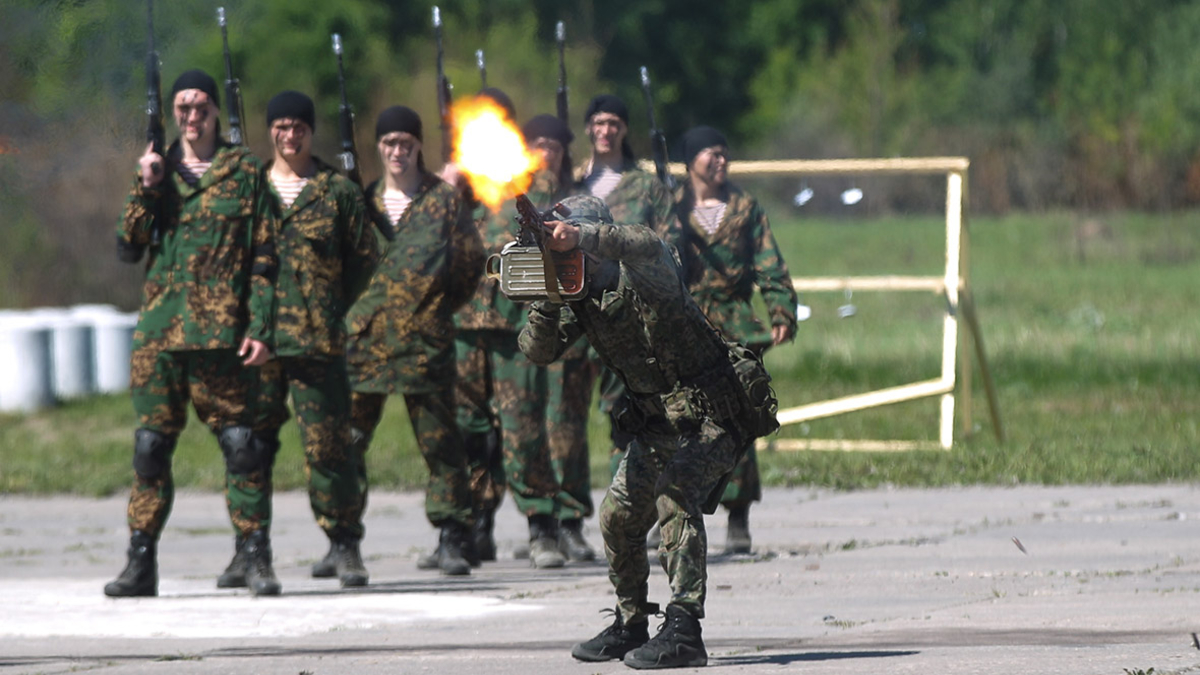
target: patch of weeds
1139 671
203 531
180 657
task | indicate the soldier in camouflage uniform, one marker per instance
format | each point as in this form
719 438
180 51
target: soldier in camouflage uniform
696 403
727 249
203 217
402 332
327 252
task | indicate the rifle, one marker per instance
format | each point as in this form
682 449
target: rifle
482 68
155 133
658 141
349 154
527 269
443 90
233 89
560 36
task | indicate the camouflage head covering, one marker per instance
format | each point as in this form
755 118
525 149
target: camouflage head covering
582 209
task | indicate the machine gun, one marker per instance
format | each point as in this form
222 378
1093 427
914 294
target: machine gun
560 99
658 141
233 89
527 267
443 91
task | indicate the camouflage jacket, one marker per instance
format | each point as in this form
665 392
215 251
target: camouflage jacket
722 269
640 198
210 276
647 329
489 309
401 329
327 253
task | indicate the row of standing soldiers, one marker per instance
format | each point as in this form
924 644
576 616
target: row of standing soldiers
265 281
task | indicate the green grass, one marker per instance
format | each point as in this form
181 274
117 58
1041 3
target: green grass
1091 325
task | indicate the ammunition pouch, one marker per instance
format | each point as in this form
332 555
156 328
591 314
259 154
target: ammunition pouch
760 417
521 272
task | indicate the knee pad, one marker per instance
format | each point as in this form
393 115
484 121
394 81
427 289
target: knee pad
152 453
242 453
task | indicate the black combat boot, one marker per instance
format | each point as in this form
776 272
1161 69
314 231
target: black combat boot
450 550
326 568
481 534
571 541
260 576
234 575
543 542
343 561
615 641
737 537
140 576
677 645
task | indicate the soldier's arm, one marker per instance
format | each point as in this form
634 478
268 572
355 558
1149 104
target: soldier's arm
137 220
467 255
361 247
551 328
771 274
264 267
627 243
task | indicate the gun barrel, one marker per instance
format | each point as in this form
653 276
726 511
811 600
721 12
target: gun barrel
337 44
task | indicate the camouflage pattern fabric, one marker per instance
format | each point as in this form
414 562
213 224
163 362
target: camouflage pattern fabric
688 414
478 419
219 388
402 335
402 328
320 394
209 282
570 381
447 494
722 270
327 254
210 279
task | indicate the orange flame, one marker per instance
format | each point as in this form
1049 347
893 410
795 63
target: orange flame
490 151
7 148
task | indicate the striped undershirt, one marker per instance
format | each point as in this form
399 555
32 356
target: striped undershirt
602 182
190 170
396 203
710 216
288 188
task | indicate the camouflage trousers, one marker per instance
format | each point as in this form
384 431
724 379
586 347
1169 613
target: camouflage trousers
503 389
568 405
320 393
447 494
221 390
667 476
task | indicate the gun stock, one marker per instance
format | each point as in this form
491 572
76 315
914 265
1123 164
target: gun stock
233 89
658 141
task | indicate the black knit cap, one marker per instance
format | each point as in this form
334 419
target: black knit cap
196 79
547 126
502 99
292 104
398 118
609 104
697 139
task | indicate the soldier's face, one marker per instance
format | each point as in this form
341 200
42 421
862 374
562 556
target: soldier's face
398 151
195 115
291 137
607 132
711 165
551 152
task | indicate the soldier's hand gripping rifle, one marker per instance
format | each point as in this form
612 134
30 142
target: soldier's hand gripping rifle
658 141
528 270
349 154
155 133
443 90
560 36
233 88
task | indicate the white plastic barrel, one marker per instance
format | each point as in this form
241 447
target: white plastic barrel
73 364
25 371
112 343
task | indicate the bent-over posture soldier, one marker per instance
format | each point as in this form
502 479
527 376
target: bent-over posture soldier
327 253
402 330
695 404
727 250
203 217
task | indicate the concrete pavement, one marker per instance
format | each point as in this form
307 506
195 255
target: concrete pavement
970 580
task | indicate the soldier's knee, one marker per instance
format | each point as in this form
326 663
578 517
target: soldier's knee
152 453
242 453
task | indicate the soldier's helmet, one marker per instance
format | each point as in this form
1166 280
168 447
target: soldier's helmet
582 208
